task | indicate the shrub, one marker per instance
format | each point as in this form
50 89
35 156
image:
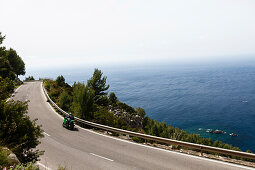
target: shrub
29 78
29 166
4 162
17 132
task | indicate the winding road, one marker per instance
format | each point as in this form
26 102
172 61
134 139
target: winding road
85 149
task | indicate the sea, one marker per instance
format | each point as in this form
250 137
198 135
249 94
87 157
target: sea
193 97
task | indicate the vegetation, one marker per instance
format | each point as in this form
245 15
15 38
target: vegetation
11 64
6 88
4 161
112 99
29 78
98 84
91 102
17 131
28 166
83 104
16 63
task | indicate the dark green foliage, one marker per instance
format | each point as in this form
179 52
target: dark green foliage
126 107
4 161
6 69
17 64
60 81
64 101
54 93
6 88
138 140
121 124
113 98
29 78
54 90
17 132
98 84
11 65
83 104
28 166
1 38
140 111
102 116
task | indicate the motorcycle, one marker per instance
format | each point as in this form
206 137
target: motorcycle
69 124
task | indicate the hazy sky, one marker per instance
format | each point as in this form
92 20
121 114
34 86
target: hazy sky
64 33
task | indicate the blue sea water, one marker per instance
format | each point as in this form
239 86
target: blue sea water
188 97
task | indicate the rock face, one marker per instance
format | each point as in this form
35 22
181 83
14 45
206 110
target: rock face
133 119
12 157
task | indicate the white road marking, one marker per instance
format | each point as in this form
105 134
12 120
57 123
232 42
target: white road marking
151 147
164 150
42 165
18 88
46 133
102 157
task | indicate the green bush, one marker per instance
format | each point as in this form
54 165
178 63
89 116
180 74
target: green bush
28 166
17 132
29 78
4 161
126 107
104 117
6 88
83 104
138 140
64 101
112 98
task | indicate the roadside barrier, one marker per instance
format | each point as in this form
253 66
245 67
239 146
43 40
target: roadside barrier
202 148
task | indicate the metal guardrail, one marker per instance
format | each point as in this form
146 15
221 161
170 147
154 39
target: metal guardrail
202 148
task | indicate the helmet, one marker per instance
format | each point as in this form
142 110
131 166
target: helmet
70 114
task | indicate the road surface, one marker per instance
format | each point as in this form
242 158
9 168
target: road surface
85 149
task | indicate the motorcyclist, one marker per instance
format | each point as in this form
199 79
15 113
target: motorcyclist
69 117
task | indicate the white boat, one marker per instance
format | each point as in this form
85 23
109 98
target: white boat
233 134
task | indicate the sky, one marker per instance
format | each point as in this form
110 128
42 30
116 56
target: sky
64 33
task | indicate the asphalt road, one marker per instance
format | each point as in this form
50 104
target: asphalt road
85 149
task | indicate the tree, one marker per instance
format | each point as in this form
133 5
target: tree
17 64
4 161
64 101
1 38
104 117
29 78
140 111
6 88
6 69
10 63
17 132
83 104
126 107
113 98
60 81
98 84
